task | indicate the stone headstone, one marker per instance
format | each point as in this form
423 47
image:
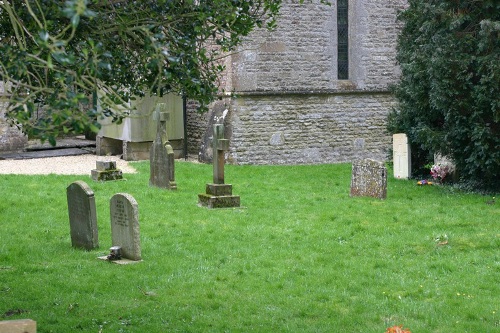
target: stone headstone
218 194
401 156
106 170
369 178
82 216
162 167
125 225
18 326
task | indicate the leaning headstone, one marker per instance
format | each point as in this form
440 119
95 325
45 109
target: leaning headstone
82 216
401 156
369 178
18 326
218 194
162 172
125 226
106 170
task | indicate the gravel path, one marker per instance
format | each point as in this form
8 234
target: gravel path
67 165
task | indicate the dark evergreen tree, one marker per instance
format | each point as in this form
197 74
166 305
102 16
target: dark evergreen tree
449 93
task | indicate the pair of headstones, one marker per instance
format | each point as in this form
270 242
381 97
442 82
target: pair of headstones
124 216
162 166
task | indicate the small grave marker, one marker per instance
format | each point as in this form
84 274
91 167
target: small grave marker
162 166
82 216
218 194
125 226
18 326
369 178
106 170
401 156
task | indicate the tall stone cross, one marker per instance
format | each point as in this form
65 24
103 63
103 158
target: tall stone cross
220 146
218 194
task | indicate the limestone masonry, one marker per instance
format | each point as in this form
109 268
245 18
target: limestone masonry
290 106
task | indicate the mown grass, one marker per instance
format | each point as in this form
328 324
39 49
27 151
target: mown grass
301 256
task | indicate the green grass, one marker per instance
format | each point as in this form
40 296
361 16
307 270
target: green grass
301 256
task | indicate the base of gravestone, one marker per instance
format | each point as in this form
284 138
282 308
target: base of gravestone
106 170
219 196
122 261
223 201
106 175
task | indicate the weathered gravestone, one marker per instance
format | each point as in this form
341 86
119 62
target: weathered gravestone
162 172
125 226
401 156
369 178
218 194
106 170
82 216
18 326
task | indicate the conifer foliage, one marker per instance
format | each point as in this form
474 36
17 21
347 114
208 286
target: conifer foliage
449 93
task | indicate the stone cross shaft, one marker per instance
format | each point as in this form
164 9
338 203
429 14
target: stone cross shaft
220 145
162 127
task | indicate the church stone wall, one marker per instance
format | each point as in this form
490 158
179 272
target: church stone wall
290 106
11 138
311 129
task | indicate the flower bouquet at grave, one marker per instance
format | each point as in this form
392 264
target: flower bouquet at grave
424 182
440 171
397 329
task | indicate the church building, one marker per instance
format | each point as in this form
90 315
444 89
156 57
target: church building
314 90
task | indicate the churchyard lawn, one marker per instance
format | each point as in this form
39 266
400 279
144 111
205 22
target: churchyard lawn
301 255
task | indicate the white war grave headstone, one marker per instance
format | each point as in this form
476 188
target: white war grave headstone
401 156
82 216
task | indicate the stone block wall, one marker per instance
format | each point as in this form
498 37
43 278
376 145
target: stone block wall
301 54
290 106
11 138
312 129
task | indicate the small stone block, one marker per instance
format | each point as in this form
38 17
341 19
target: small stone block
219 189
222 144
224 201
18 326
105 165
98 175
